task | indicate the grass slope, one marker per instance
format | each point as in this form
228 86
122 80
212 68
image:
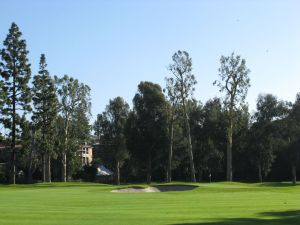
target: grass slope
90 203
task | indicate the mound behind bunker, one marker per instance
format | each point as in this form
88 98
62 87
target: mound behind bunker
157 188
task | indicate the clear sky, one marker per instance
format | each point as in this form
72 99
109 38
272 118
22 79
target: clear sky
113 45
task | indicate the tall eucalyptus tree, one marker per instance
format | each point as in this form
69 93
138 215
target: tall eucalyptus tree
234 82
183 85
73 96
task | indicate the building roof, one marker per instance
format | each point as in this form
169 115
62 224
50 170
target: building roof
8 147
103 171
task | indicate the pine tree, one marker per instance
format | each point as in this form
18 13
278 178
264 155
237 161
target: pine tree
16 72
2 101
45 112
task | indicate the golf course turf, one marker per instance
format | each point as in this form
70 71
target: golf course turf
91 203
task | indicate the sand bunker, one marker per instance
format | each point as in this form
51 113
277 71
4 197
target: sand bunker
157 188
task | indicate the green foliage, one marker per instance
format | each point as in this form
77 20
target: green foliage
263 135
117 113
234 81
183 83
290 136
97 127
181 86
74 105
29 160
150 122
45 107
161 136
2 102
110 125
16 73
208 130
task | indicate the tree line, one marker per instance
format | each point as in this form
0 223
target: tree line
167 135
44 118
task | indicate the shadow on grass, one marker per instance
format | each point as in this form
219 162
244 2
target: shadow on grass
278 184
175 187
281 218
54 185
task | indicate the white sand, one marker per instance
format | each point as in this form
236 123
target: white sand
133 190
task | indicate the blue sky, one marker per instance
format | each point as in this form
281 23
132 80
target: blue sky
113 45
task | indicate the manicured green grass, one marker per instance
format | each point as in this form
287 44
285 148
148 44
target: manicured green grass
90 203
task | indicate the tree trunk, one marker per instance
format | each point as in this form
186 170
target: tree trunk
190 146
29 169
30 158
259 173
229 151
294 174
118 172
200 175
13 167
13 131
44 155
48 168
64 154
44 167
64 167
149 168
170 156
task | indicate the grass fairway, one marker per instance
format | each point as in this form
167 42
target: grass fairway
90 203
